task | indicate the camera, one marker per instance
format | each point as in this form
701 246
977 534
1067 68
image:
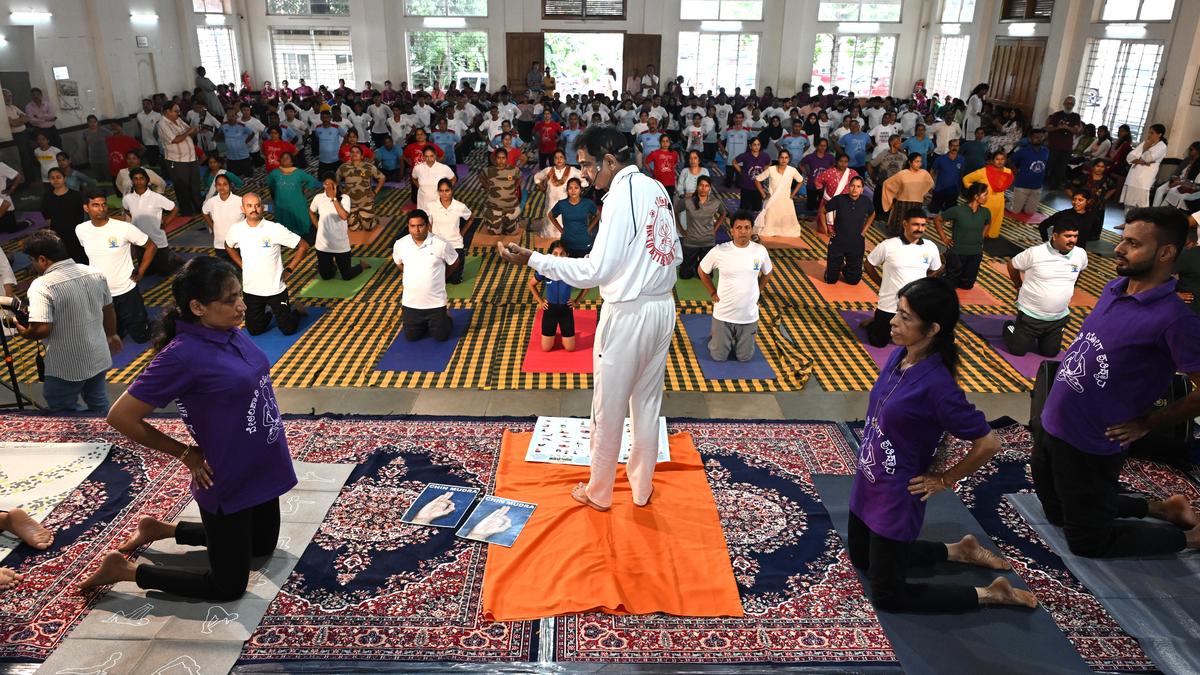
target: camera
19 312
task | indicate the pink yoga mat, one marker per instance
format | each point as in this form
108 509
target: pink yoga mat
560 360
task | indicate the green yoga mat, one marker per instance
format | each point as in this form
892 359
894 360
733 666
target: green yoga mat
114 202
338 288
693 289
463 290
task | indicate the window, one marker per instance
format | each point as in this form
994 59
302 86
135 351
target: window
210 6
859 10
855 63
720 10
218 54
308 7
1026 10
946 65
319 56
1120 80
1138 10
958 11
708 61
446 7
583 9
441 56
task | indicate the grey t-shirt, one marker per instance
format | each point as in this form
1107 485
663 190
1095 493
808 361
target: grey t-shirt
697 221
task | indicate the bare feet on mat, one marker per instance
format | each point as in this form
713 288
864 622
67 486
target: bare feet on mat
968 550
579 494
1001 592
114 568
29 530
149 530
8 578
366 264
1175 510
648 498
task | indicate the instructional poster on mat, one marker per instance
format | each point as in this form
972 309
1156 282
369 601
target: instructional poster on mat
440 505
497 520
567 440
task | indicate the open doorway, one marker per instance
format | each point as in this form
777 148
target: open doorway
581 62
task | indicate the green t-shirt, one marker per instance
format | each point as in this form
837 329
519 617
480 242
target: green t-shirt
967 228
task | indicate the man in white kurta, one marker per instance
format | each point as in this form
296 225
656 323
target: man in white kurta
633 261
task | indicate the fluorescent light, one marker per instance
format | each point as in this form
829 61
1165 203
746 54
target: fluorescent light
951 28
214 19
721 26
30 17
143 17
1022 29
445 22
61 73
3 40
1125 30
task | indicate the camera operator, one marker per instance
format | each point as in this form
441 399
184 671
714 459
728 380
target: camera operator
71 311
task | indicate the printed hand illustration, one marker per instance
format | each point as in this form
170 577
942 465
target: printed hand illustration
494 523
438 507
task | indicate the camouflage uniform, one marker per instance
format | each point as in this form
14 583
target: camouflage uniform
503 199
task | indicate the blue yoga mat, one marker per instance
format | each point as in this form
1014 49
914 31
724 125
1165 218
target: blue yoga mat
275 344
130 350
425 355
1000 640
699 327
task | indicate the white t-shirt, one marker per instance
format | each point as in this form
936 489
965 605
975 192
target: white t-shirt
445 220
908 123
7 173
262 260
6 271
424 270
333 233
874 116
253 124
943 134
148 123
1050 280
107 248
224 214
881 135
738 284
427 178
47 159
146 211
902 262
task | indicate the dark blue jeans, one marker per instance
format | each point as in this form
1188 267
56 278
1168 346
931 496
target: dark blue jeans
63 395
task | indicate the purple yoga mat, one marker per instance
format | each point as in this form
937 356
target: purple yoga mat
699 327
989 327
425 355
878 354
36 222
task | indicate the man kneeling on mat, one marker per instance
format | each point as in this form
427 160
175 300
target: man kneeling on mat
558 308
30 532
745 268
424 259
1044 277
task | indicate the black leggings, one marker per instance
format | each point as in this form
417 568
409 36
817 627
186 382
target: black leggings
886 563
326 263
232 540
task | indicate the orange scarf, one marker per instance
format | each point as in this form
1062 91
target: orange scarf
999 180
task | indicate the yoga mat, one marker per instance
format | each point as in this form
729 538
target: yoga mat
839 292
693 289
699 329
340 288
1080 298
1154 599
977 296
1001 640
396 185
130 349
198 237
34 225
852 318
114 202
1001 248
365 237
176 223
149 281
425 355
559 360
276 344
989 327
667 557
464 289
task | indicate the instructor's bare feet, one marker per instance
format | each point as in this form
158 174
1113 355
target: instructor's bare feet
1000 592
1176 510
8 579
149 530
579 494
29 530
968 550
114 568
648 498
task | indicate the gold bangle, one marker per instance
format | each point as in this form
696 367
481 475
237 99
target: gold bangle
942 481
186 451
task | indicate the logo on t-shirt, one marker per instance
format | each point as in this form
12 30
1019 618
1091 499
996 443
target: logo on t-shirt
266 242
269 420
113 243
873 435
660 233
1074 370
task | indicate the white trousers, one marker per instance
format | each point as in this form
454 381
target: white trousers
628 362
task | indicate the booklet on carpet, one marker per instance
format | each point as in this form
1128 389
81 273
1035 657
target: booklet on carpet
440 505
497 520
567 440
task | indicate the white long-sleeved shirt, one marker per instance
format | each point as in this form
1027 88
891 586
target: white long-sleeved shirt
637 247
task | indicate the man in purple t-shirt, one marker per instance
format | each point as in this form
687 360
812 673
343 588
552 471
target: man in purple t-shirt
1127 350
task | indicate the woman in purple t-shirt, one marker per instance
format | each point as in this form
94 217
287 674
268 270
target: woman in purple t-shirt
749 164
913 403
240 464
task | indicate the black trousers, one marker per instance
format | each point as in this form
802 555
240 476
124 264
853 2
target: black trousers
456 276
186 179
886 563
1027 334
232 539
942 200
879 331
421 322
752 201
812 197
692 255
545 159
844 260
330 263
163 263
377 139
132 319
260 309
525 130
242 167
1081 493
558 317
962 269
1056 169
326 167
151 156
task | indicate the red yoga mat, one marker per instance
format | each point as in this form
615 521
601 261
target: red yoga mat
560 360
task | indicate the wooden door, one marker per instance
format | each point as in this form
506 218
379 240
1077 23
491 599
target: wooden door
1015 72
523 49
641 50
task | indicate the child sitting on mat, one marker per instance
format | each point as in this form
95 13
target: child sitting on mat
557 305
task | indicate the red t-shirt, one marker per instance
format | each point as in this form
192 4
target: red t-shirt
344 152
118 147
514 157
662 165
414 153
547 134
273 150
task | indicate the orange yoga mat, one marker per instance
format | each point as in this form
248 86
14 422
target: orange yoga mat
667 557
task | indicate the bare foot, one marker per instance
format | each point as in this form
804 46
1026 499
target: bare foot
364 263
1000 592
968 550
149 530
648 498
114 568
29 530
579 494
864 323
1175 510
8 578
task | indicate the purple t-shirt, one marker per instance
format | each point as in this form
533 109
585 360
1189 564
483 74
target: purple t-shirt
1120 363
817 164
751 167
906 416
221 382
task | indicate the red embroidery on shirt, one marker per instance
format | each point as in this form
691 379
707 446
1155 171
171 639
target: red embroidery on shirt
660 233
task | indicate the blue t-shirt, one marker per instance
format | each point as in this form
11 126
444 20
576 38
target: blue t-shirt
1031 167
949 172
736 141
329 139
855 145
569 138
389 160
446 140
649 141
289 134
922 145
236 139
556 292
575 218
796 146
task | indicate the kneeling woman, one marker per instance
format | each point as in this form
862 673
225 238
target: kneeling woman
241 464
914 401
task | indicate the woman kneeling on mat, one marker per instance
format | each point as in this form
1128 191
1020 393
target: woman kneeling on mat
558 308
241 465
914 401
